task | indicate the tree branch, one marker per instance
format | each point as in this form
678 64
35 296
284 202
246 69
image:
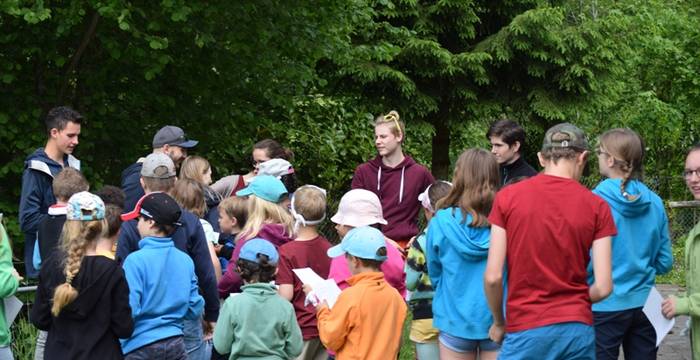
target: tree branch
73 64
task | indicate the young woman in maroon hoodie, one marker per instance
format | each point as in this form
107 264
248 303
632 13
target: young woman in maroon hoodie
396 179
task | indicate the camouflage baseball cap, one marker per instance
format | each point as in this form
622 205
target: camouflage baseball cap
565 135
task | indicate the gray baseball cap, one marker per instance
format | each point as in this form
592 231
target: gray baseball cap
565 135
172 135
159 166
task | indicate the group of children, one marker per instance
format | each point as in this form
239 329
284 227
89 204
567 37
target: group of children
545 241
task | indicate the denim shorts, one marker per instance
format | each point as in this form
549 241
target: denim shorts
458 344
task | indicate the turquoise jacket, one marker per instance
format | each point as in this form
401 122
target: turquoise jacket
8 284
642 247
258 324
457 256
163 292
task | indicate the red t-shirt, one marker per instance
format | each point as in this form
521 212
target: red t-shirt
550 225
301 254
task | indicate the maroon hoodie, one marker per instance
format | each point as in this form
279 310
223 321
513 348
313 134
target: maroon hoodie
231 282
398 189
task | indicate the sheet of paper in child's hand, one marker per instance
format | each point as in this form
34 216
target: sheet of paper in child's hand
323 289
652 309
308 276
328 290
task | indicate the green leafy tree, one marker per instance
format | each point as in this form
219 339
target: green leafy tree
450 62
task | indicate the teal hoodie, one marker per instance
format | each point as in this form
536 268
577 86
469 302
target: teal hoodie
457 255
258 324
642 248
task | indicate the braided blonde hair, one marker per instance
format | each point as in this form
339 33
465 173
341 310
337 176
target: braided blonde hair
75 238
394 121
626 148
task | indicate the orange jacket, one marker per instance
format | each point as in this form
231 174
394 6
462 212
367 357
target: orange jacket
366 320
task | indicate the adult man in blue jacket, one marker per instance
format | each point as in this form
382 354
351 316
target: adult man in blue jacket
169 140
63 130
158 174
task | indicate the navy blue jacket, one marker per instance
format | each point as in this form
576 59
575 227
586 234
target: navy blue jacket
37 196
131 184
190 239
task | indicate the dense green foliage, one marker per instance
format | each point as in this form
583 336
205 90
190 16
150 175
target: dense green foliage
313 74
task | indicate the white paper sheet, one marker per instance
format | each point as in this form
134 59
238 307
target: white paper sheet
652 309
308 276
328 290
12 307
323 289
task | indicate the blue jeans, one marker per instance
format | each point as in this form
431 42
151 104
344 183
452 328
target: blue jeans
629 328
194 345
570 340
172 348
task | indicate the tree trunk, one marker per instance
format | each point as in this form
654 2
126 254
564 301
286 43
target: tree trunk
441 148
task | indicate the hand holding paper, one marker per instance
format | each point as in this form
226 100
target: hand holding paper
652 309
321 290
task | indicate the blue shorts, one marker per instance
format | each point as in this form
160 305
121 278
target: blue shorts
461 345
570 340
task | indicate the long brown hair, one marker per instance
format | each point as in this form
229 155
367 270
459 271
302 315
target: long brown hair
475 182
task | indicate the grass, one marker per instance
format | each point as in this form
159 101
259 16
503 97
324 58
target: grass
23 338
407 351
677 274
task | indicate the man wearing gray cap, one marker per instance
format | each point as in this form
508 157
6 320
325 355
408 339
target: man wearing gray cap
158 175
169 140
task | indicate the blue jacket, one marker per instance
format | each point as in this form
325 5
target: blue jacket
457 255
642 248
190 239
37 195
131 184
162 292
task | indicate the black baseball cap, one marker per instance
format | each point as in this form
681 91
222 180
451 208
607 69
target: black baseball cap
159 207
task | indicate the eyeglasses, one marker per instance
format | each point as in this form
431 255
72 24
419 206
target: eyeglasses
601 152
688 174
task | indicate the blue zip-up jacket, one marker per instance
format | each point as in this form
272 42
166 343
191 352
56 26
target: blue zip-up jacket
457 255
190 239
131 185
163 292
37 196
642 248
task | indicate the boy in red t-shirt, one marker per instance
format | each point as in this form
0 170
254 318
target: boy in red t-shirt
545 230
308 206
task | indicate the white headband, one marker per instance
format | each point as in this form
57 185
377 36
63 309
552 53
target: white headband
424 197
298 218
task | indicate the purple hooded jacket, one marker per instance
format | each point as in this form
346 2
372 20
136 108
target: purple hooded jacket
231 282
398 189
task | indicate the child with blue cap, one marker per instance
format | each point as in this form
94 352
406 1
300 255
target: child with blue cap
367 318
258 323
